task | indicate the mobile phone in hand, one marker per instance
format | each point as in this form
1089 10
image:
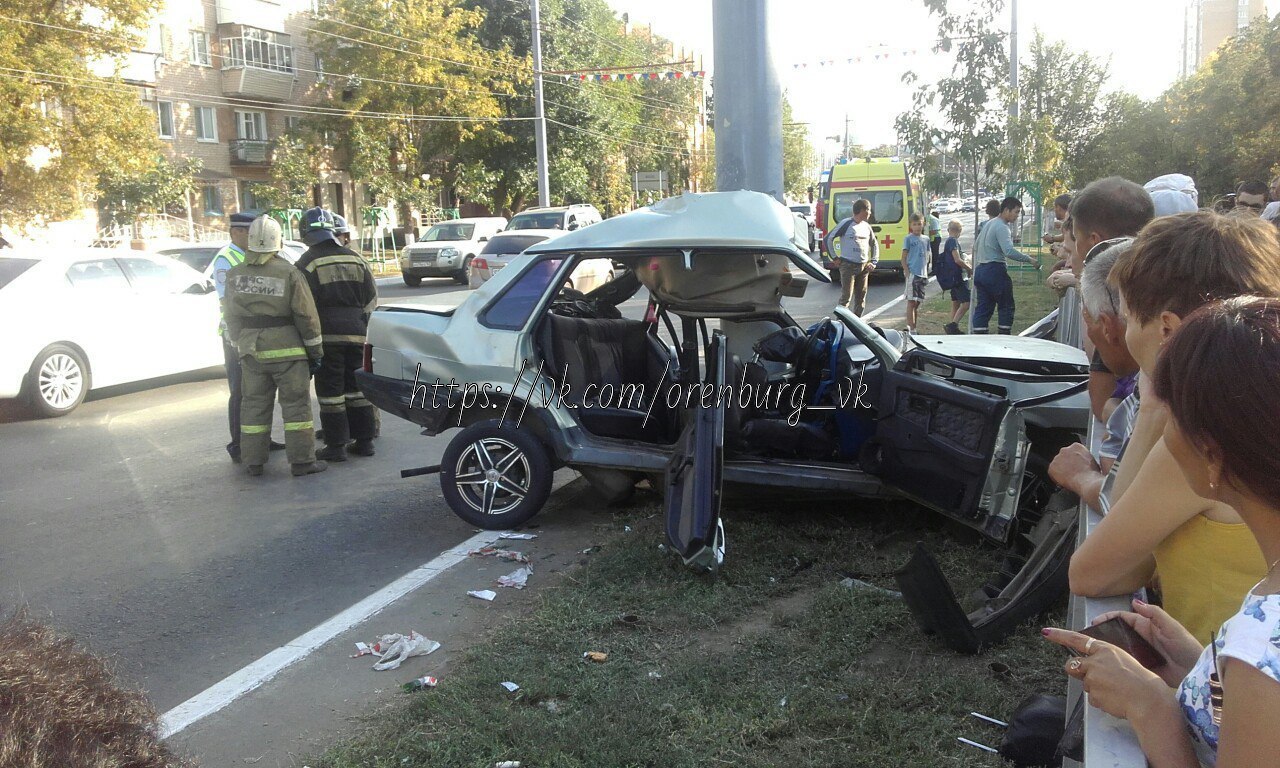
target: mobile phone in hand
1118 632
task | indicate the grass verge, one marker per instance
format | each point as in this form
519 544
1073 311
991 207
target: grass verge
770 662
1031 296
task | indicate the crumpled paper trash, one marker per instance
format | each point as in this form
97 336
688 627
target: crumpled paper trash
395 648
517 579
484 594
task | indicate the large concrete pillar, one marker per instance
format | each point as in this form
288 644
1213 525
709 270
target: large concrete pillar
748 100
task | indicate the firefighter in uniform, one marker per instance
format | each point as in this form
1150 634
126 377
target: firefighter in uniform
344 292
272 321
230 256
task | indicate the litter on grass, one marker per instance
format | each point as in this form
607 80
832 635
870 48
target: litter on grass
483 594
853 583
517 579
393 649
501 554
518 536
595 656
510 686
507 764
426 681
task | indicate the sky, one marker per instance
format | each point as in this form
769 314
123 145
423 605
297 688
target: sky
1142 39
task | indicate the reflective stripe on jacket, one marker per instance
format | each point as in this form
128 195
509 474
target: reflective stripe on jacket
269 312
344 291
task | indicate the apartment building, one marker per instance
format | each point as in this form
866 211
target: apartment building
227 78
1208 24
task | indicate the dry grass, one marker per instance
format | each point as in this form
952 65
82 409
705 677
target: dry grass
60 706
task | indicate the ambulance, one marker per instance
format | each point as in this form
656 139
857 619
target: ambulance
886 183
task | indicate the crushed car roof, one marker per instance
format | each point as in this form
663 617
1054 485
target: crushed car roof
740 220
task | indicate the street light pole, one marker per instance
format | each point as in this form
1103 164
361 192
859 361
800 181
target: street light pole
540 119
748 99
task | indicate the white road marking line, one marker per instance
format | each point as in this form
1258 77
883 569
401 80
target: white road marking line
248 678
880 310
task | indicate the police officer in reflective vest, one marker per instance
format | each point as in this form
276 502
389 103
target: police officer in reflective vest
272 321
344 292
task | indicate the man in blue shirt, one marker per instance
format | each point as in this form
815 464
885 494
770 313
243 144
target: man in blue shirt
994 244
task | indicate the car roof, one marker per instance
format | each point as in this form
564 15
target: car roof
547 233
741 220
561 208
59 255
472 220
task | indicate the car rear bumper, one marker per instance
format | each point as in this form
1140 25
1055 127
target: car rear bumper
397 397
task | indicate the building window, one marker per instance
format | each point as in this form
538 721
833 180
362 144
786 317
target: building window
206 124
292 123
199 48
319 68
164 110
251 126
211 197
248 201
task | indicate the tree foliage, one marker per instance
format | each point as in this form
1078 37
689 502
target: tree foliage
66 126
798 156
127 193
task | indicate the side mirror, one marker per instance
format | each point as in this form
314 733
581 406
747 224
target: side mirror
483 240
573 226
200 289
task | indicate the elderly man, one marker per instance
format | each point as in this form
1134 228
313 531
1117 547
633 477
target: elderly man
1107 209
1074 468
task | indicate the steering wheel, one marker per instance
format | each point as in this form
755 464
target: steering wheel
825 329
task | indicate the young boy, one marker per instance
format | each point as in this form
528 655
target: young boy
915 266
960 269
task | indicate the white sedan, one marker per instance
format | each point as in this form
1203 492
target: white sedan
82 319
502 248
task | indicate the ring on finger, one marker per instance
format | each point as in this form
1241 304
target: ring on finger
1074 665
1088 647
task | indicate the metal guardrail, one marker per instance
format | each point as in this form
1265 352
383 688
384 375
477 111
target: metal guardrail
249 52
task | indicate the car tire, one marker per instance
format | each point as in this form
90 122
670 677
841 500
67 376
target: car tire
463 276
57 381
522 462
412 282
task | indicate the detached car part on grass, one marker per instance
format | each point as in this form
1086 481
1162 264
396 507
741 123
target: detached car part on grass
964 425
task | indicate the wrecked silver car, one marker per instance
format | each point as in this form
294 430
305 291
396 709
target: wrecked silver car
716 384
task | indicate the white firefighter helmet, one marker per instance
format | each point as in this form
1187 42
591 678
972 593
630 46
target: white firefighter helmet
265 235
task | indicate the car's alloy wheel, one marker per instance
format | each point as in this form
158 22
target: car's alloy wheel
58 381
495 477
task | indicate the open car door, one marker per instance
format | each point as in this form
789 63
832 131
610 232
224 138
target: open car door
693 476
937 442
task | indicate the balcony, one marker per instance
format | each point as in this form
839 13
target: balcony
250 152
257 69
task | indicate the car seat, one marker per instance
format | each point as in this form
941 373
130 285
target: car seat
611 353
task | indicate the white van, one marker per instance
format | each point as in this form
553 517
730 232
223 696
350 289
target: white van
563 217
446 250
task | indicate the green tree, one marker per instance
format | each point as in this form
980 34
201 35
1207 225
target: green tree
293 171
798 156
970 117
64 125
166 183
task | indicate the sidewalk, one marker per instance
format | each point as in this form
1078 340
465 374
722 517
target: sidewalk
312 704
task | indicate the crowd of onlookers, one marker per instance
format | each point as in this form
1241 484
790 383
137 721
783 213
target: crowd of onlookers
1181 309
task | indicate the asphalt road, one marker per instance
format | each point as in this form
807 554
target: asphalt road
126 525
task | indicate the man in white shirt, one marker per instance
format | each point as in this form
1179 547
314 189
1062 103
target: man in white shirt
859 254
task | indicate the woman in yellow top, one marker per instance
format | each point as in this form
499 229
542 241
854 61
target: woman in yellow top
1201 551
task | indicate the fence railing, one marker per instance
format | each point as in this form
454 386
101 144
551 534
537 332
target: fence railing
244 51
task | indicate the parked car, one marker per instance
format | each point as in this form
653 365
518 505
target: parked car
964 425
79 320
502 248
447 249
566 218
199 256
806 212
